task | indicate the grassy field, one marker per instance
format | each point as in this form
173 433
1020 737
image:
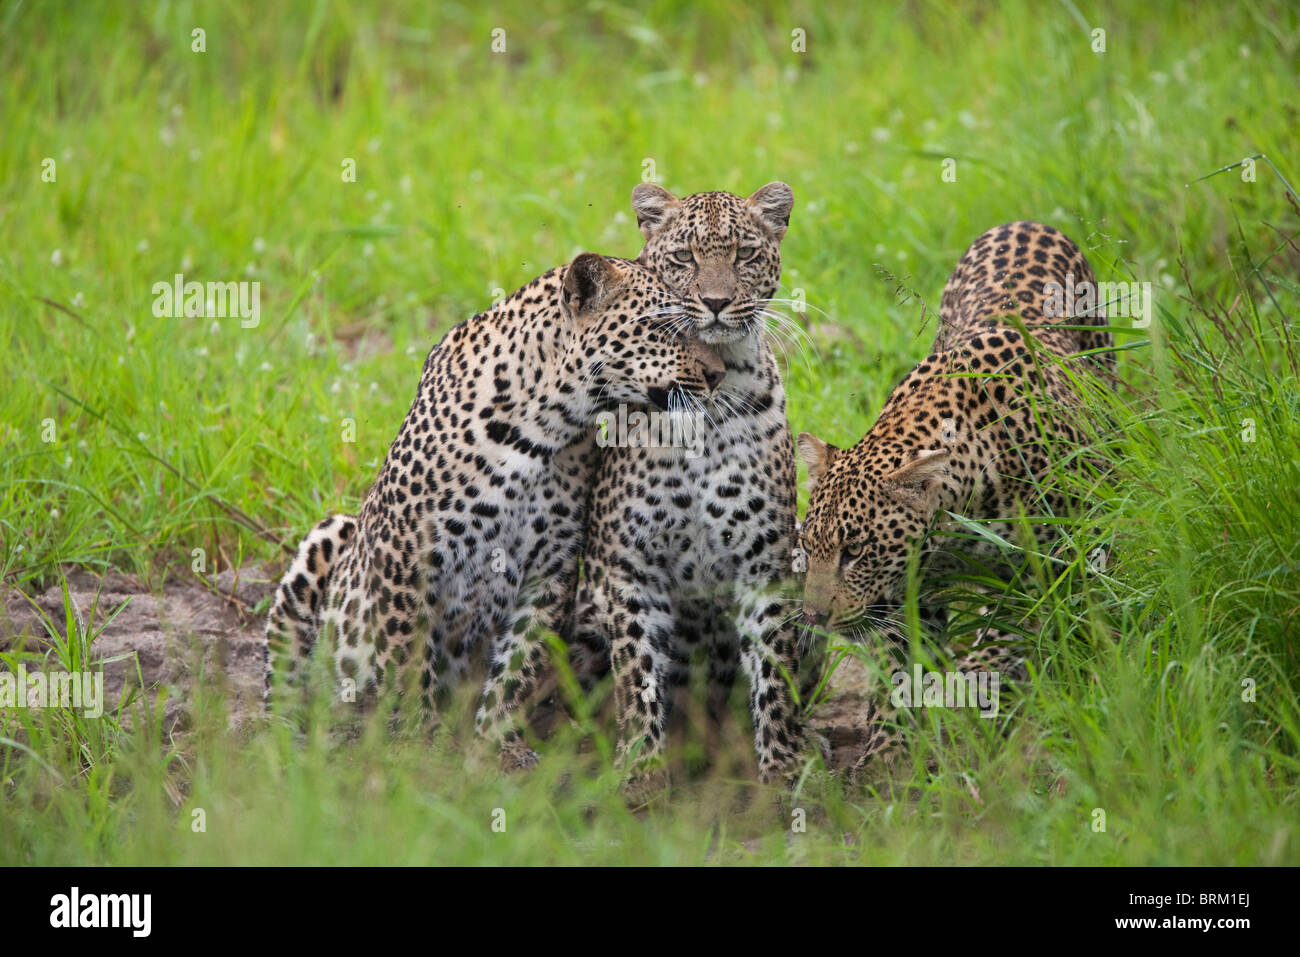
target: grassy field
1165 686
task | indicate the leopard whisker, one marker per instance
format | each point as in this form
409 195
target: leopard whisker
783 326
744 403
796 302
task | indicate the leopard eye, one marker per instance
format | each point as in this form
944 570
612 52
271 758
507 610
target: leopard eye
684 256
854 550
746 252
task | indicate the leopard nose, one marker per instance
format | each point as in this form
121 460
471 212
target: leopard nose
716 305
713 376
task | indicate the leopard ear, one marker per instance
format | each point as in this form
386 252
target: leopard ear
588 283
817 455
654 206
771 206
917 476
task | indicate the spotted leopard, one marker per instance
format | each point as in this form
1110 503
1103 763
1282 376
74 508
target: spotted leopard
685 551
975 429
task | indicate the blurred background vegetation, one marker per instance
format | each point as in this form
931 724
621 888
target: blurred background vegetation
478 168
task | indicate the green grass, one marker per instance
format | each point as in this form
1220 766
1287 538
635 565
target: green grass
477 171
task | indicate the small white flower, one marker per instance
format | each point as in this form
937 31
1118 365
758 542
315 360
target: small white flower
265 367
259 245
142 246
56 257
78 301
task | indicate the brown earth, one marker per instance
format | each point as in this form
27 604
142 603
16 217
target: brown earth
189 632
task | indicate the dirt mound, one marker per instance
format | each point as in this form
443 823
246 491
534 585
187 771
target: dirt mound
186 633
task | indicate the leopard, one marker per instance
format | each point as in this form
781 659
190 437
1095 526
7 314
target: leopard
975 430
1023 269
468 540
686 553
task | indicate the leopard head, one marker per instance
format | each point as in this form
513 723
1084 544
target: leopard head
628 344
719 252
867 510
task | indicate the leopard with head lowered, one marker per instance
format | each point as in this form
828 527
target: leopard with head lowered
687 544
469 537
976 430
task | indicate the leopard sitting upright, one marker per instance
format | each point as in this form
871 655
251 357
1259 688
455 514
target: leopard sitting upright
975 429
471 531
685 545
